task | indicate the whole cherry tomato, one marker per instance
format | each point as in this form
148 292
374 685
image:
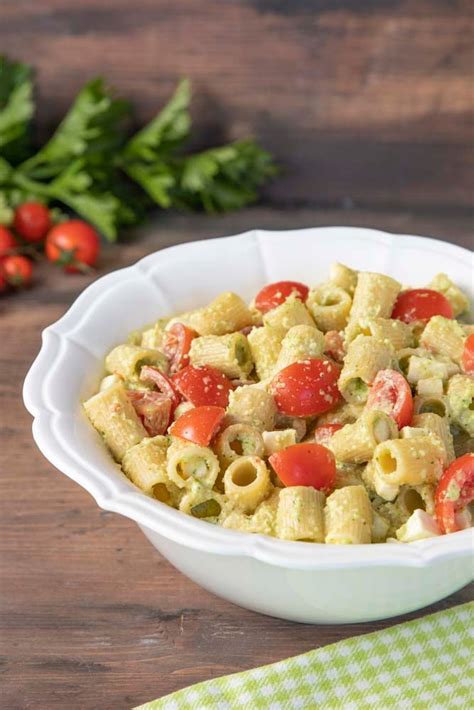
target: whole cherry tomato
74 245
32 221
17 270
8 242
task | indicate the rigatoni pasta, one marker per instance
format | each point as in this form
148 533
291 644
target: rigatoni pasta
331 413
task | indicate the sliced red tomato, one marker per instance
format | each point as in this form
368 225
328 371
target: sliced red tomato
163 384
305 465
468 355
454 492
203 385
199 425
177 345
334 345
306 388
421 304
275 294
323 433
154 409
391 393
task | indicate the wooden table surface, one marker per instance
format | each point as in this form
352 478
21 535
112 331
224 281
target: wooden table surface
91 616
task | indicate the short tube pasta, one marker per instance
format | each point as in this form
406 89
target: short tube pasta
128 360
277 440
300 342
330 306
461 401
458 300
300 514
247 482
228 353
356 443
438 426
348 517
225 314
344 277
435 404
409 461
374 297
145 463
365 357
395 332
265 346
253 406
238 440
191 462
112 414
444 337
290 313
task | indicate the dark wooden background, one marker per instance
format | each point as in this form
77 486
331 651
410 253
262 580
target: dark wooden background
362 101
367 104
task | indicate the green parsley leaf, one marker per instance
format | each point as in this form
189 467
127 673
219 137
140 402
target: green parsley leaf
16 109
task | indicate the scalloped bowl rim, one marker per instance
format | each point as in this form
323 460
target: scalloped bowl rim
118 495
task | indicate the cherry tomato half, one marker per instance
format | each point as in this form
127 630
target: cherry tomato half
468 355
203 385
154 409
454 492
421 304
306 388
305 465
17 270
163 384
322 434
73 244
32 221
8 242
199 425
275 294
391 393
177 345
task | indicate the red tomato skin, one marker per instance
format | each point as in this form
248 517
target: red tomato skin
17 270
275 294
73 244
322 434
177 345
306 388
468 355
203 385
391 393
421 304
455 491
32 221
8 242
305 465
154 410
199 425
163 383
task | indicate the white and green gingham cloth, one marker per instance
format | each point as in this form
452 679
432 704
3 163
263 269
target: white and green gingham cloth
426 664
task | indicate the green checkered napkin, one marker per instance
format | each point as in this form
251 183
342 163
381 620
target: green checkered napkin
420 665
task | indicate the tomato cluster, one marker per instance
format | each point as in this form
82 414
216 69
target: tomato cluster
73 244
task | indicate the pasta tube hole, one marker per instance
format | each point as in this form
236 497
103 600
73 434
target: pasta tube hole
358 390
433 406
237 446
161 493
381 430
245 475
413 501
387 462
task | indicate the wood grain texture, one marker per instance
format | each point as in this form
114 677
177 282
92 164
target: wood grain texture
368 102
91 616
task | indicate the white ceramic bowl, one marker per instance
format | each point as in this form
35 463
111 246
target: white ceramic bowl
309 583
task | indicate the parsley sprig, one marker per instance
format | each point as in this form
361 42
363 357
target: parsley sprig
91 166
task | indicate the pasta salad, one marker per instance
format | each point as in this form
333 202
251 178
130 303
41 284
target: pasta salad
338 414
